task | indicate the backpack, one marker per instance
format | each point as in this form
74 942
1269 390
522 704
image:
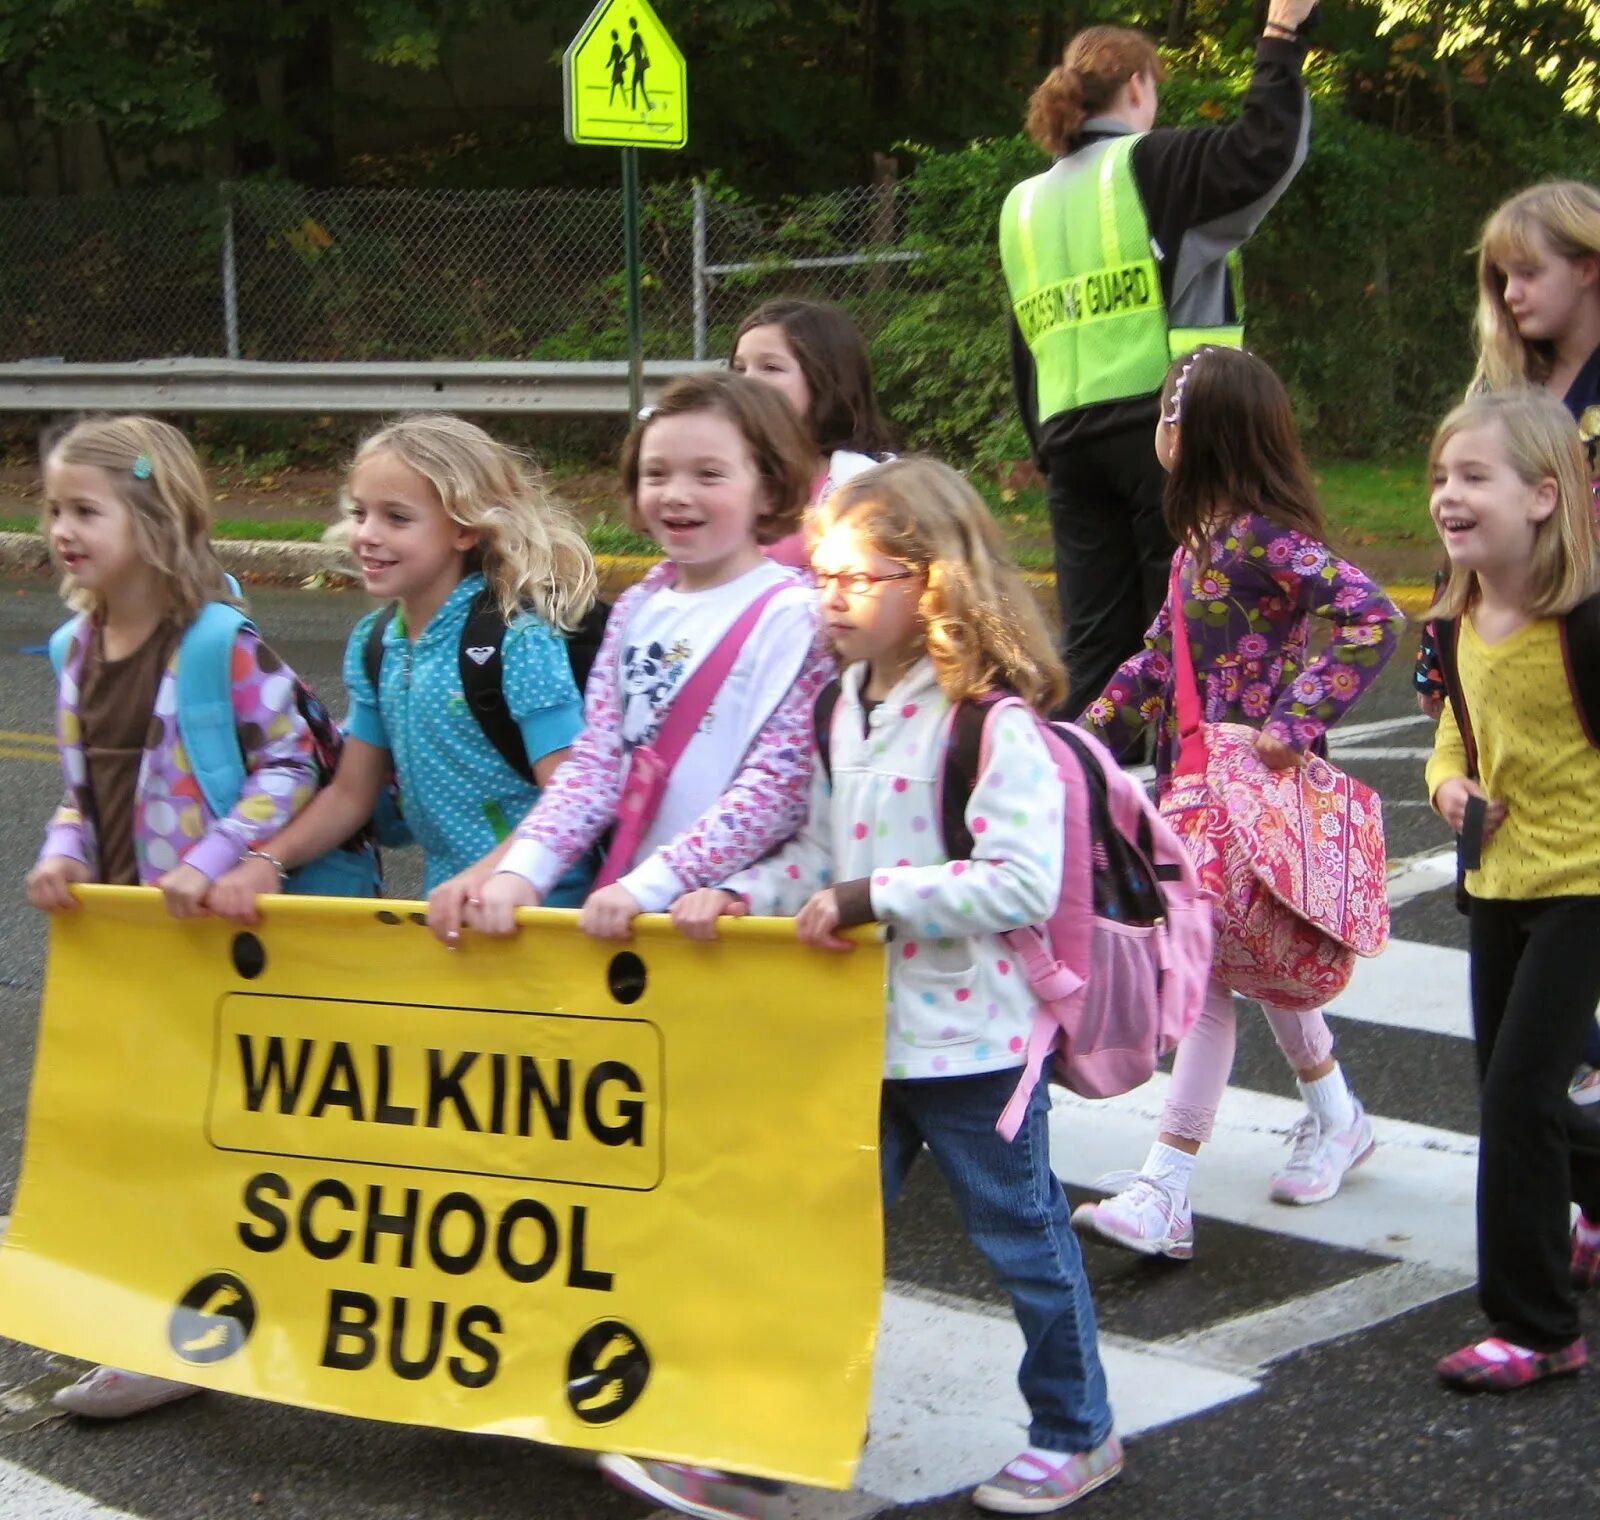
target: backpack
1120 968
482 676
1580 654
208 728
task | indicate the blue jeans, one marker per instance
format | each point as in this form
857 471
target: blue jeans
1015 1212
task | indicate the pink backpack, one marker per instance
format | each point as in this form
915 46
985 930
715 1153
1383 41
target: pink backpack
1120 968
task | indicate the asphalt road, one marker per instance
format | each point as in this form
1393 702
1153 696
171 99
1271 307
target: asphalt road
1286 1372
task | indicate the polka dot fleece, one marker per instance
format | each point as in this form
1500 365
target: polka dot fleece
955 1004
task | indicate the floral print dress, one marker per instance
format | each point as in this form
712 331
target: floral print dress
1248 614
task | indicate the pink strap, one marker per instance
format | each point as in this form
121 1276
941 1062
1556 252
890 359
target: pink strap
693 699
1191 758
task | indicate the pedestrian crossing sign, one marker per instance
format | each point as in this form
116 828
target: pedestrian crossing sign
624 82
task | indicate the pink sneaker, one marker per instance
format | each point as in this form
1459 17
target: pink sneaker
1026 1485
1498 1366
1142 1217
1585 1260
1317 1165
704 1492
109 1393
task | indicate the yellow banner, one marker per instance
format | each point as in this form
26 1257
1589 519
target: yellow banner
623 1198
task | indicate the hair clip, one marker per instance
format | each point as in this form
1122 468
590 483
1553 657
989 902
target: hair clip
646 413
1174 409
142 467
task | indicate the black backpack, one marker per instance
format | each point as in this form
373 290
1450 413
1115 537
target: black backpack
482 635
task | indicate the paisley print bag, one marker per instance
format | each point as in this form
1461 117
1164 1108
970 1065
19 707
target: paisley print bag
1295 857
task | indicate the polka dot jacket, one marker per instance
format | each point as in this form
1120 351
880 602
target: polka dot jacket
955 1003
171 823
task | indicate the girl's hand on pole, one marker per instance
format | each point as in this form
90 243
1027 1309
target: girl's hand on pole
494 912
49 884
817 924
185 889
449 901
695 914
233 895
609 913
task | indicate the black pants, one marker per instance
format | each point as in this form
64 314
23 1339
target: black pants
1113 554
1535 983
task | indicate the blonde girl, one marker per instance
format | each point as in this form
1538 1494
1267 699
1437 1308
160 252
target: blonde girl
1512 501
718 469
439 516
926 611
127 516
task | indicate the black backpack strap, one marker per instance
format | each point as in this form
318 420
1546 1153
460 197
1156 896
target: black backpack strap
822 725
1447 638
1580 649
583 643
372 654
962 752
482 637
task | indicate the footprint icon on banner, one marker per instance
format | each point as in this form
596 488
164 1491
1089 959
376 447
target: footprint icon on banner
606 1372
213 1319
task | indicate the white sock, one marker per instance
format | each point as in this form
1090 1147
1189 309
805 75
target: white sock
1171 1170
1049 1458
1329 1099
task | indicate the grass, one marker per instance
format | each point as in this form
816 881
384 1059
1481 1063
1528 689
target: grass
1368 502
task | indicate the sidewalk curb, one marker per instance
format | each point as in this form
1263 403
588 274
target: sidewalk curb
290 562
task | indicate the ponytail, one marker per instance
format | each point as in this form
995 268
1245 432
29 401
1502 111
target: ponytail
1097 63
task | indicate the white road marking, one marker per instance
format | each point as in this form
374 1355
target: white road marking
1346 732
1411 986
1421 753
24 1493
1418 875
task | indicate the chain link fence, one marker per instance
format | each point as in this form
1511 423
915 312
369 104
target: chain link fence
278 272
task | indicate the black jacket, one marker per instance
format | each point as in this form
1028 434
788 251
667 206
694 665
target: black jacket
1205 190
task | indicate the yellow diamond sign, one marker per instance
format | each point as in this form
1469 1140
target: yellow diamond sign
624 80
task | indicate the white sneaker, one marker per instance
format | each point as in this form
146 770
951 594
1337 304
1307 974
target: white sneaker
1585 1087
1321 1157
1142 1217
109 1393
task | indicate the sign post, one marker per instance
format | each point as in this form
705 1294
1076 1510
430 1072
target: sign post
624 85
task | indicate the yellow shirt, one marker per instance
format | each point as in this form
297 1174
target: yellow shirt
1534 757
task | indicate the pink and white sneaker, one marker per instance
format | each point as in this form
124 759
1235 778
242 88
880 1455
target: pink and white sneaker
1317 1165
1141 1217
109 1393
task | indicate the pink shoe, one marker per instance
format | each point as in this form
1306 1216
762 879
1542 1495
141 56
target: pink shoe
1141 1217
109 1393
1028 1486
703 1492
1585 1260
1321 1157
1498 1366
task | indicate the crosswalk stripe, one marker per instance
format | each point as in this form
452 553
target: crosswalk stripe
1410 986
25 1493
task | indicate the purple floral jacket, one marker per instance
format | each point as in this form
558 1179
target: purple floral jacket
1248 616
172 823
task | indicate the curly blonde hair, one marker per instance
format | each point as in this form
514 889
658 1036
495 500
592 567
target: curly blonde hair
1542 444
530 548
983 626
156 475
1566 214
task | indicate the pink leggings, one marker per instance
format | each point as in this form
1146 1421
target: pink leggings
1204 1062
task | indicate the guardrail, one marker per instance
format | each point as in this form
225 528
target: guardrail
247 385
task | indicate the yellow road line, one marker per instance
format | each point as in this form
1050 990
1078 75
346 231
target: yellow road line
11 752
12 736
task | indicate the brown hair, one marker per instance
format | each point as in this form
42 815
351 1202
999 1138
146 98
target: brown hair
1097 63
1238 450
1542 443
984 628
833 358
530 548
776 438
1566 213
157 477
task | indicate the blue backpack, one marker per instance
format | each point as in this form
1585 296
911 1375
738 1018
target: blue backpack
208 726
